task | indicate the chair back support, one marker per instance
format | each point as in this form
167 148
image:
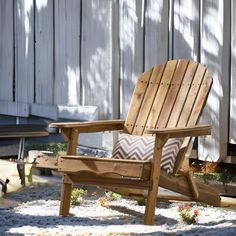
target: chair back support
171 94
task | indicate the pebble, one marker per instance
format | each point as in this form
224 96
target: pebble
37 214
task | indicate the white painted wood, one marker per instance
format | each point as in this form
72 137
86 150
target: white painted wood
186 29
96 60
115 61
24 51
156 32
232 130
14 108
6 50
44 52
215 55
67 52
43 110
80 113
131 49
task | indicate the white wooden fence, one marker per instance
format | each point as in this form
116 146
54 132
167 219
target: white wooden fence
64 58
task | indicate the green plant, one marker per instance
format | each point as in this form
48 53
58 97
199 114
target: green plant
56 148
187 214
76 196
109 196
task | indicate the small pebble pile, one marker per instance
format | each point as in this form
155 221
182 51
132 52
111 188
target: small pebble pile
36 213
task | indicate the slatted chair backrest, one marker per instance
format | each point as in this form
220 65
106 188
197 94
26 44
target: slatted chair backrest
170 95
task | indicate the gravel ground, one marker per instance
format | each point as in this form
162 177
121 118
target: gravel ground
36 213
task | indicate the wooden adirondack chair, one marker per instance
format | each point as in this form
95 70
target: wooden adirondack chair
166 104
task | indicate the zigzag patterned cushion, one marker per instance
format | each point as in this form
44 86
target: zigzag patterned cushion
135 147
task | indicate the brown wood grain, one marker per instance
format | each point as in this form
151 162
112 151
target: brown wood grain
180 100
136 100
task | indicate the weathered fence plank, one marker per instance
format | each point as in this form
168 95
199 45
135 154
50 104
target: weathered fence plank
44 52
14 108
47 67
215 54
44 110
67 52
96 59
232 130
156 32
131 49
6 50
79 113
24 51
186 29
115 61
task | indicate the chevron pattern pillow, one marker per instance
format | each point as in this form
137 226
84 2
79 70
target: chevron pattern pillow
135 147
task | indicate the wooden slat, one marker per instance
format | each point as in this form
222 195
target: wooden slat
193 92
147 102
180 100
111 182
186 29
161 94
67 52
88 124
6 50
96 58
45 161
156 32
136 100
44 52
181 185
182 132
201 99
115 61
24 51
172 93
216 110
207 193
232 113
131 49
128 168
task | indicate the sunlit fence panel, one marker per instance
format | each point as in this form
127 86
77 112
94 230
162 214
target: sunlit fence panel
79 59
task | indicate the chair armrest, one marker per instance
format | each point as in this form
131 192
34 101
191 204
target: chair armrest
196 130
90 126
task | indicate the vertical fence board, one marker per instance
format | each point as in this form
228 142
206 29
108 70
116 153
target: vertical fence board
215 55
186 29
115 61
44 52
67 52
156 32
232 130
96 60
131 49
6 50
111 53
24 51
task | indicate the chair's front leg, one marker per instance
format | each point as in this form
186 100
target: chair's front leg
154 178
66 187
